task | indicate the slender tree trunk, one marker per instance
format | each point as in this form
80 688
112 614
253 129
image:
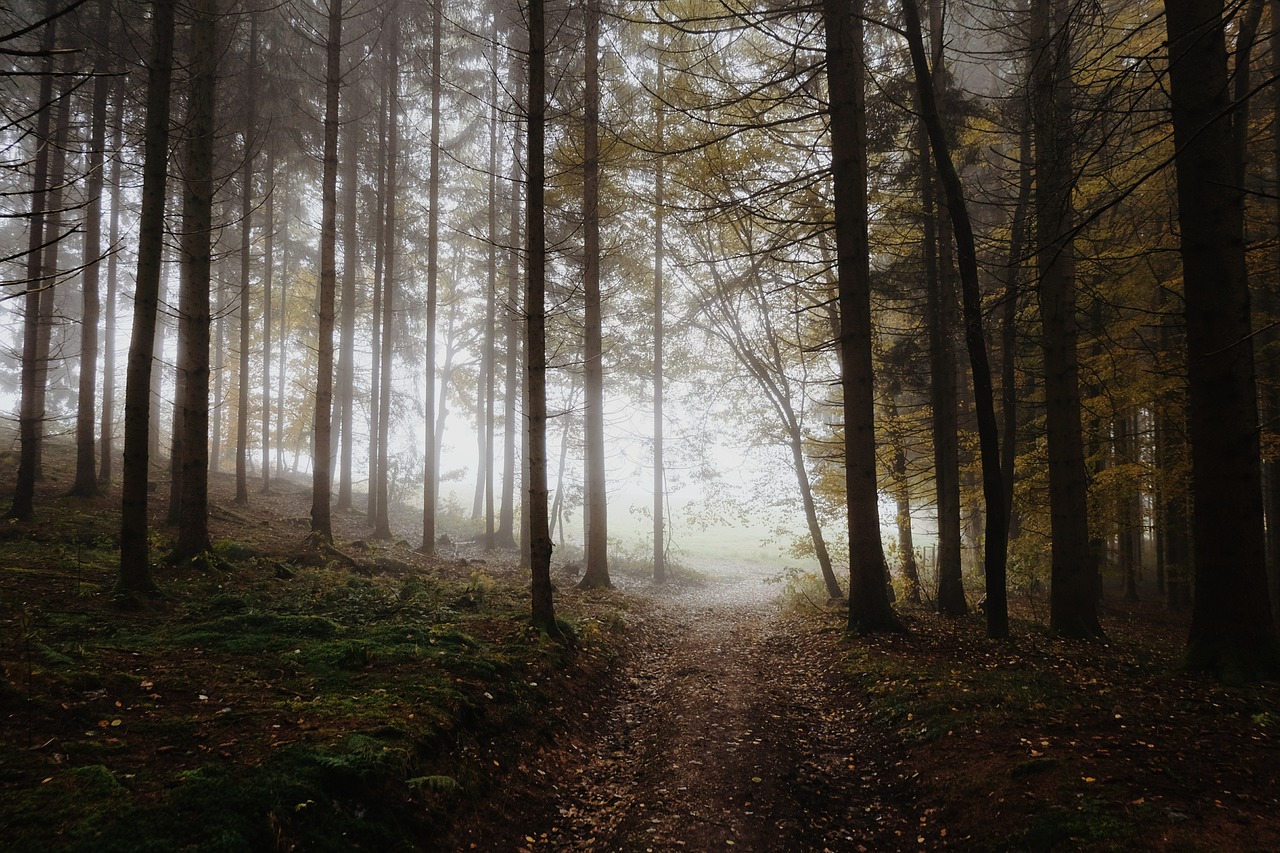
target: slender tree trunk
29 418
996 544
1073 596
347 342
135 565
382 527
268 265
869 607
321 525
107 454
659 261
50 271
506 537
379 251
491 303
193 532
1269 362
1232 631
543 608
219 363
86 482
1009 325
595 505
939 300
431 474
246 245
902 499
285 272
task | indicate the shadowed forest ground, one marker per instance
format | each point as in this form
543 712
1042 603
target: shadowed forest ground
373 698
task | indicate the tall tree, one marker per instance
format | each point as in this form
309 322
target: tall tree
382 524
1232 631
431 474
86 482
940 311
321 524
29 417
135 565
347 334
659 262
979 366
869 607
1073 593
106 455
197 227
246 246
268 267
543 608
596 499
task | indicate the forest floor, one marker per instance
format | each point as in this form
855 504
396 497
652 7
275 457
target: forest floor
745 719
279 699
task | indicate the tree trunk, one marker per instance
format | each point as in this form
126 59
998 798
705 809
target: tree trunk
285 272
543 608
940 314
29 418
659 260
321 525
382 524
375 321
491 303
347 338
135 565
1232 632
53 237
106 460
902 498
431 474
86 482
1009 326
869 607
1073 596
511 409
595 498
193 532
995 556
246 245
268 266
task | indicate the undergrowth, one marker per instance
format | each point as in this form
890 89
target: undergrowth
325 710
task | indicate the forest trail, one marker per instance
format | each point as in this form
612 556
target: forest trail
726 728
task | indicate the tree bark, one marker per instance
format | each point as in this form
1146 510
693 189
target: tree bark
347 338
268 266
29 417
321 524
135 566
382 523
1073 592
1232 631
995 556
86 481
193 531
595 498
543 608
106 457
869 607
246 246
431 474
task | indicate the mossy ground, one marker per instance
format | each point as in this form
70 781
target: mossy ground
268 698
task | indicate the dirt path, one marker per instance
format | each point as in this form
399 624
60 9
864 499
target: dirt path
725 730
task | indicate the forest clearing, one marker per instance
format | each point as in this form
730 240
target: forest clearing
279 700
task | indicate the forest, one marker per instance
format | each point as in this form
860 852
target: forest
339 336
